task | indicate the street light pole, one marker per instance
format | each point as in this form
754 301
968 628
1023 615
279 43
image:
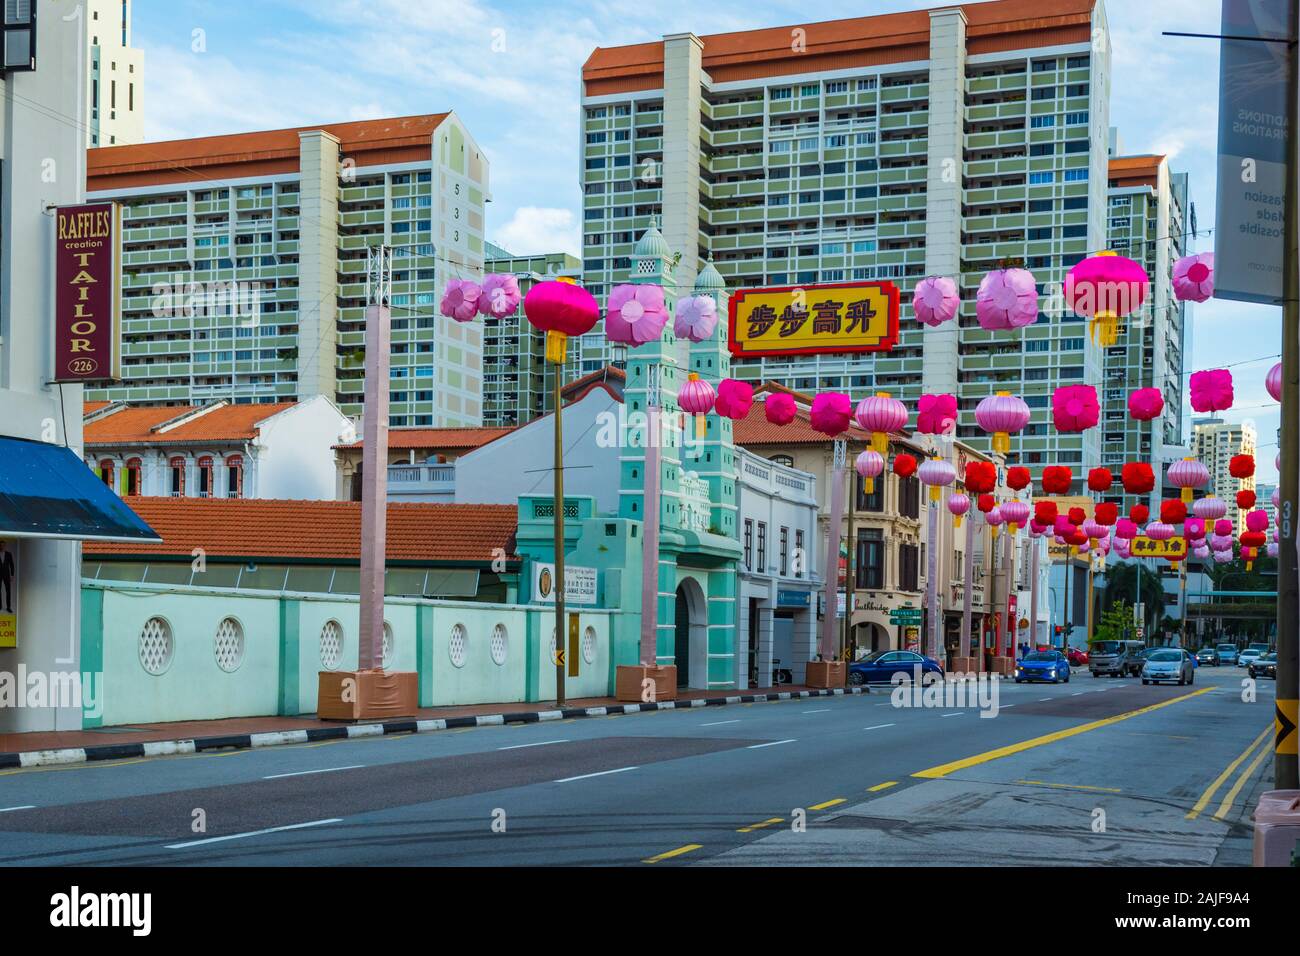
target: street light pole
559 537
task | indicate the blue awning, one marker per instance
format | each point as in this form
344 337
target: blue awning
46 491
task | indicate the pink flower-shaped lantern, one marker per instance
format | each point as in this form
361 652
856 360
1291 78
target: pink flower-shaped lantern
830 414
779 408
460 300
1194 277
1007 299
1145 404
499 295
734 399
1211 390
937 414
935 300
1075 408
637 314
696 318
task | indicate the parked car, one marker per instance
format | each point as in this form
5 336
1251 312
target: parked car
1250 655
1168 664
880 666
1043 665
1264 666
1077 657
1115 658
1208 655
1227 654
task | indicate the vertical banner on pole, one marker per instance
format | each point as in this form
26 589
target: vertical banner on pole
827 648
650 526
968 582
932 584
374 463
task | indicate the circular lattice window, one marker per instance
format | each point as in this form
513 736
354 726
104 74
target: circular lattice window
458 645
228 645
331 645
388 646
589 645
500 644
156 646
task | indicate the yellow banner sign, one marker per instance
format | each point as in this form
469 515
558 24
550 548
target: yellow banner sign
1144 547
803 320
8 594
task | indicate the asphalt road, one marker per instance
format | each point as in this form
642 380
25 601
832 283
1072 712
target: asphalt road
1093 772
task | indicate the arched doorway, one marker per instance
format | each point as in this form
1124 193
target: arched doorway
691 636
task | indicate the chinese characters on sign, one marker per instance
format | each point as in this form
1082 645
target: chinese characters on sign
801 320
1143 547
87 273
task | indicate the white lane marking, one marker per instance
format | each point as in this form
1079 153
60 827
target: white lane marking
253 833
540 743
600 773
30 806
877 726
1078 694
955 713
824 710
303 773
719 723
1005 706
771 743
1041 699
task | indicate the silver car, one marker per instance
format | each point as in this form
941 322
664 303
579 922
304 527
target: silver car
1171 664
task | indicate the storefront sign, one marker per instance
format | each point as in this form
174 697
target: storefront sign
8 594
1253 129
1144 547
87 303
803 320
580 584
793 599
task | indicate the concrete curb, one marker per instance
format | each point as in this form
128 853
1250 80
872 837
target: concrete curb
162 748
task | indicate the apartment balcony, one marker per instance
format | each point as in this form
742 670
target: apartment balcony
422 482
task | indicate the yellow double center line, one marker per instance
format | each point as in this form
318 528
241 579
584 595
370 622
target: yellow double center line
1213 788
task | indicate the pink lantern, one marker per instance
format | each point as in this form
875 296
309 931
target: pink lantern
1145 404
1211 390
1036 528
637 314
1188 474
1193 529
1126 529
1224 528
1123 548
734 398
937 474
830 414
958 505
1063 527
499 295
1104 288
869 465
1273 382
880 414
1159 531
1007 299
1276 498
696 318
779 408
1271 549
1257 520
936 414
1075 408
1094 530
1220 542
697 397
1201 551
935 300
1222 557
993 517
1000 415
560 309
1194 277
1015 513
460 300
1209 508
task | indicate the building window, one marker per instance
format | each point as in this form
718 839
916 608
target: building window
909 497
908 567
762 547
869 502
235 476
106 472
205 477
785 551
749 544
133 469
869 562
800 557
177 466
783 460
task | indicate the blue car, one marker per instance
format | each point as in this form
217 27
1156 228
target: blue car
879 667
1043 665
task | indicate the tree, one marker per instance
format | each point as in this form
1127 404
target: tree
1122 586
1115 624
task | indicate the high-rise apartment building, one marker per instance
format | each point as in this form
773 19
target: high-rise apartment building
945 141
1214 442
115 79
1149 219
516 388
244 264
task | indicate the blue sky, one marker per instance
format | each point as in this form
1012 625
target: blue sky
511 69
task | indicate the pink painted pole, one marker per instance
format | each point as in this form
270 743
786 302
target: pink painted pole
374 489
650 543
932 583
833 559
968 582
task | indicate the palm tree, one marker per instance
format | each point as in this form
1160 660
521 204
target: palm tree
1122 584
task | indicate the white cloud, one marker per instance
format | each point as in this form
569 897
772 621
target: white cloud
536 229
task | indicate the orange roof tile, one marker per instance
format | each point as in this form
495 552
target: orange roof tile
453 439
267 529
146 425
89 408
843 44
266 152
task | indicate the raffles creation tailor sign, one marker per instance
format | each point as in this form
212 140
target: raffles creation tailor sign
803 320
87 307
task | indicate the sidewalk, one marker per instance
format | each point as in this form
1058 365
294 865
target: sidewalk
45 748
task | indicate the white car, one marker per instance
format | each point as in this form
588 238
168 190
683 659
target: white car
1250 655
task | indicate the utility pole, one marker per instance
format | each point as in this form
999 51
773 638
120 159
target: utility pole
561 632
374 460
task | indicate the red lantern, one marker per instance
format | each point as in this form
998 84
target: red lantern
904 466
1018 478
1253 539
1100 479
1078 516
1139 514
981 477
1076 538
1056 479
1045 512
1173 511
1138 478
986 503
1241 466
1106 512
1245 499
